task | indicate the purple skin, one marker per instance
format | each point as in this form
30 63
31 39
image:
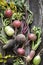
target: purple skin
24 29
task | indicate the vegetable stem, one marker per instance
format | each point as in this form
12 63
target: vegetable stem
2 18
32 44
34 47
37 32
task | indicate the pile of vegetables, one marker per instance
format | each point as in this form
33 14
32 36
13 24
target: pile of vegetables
15 35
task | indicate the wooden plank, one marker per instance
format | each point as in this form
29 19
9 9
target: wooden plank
36 7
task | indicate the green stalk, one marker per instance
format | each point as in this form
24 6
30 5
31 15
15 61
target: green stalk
3 24
34 47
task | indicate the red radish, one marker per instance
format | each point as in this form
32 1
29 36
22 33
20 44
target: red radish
20 51
16 23
8 13
30 56
32 36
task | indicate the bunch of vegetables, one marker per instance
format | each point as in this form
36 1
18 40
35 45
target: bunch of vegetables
15 33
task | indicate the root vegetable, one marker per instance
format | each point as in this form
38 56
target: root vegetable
21 37
9 44
9 31
16 23
20 51
34 46
32 53
30 56
8 13
32 36
37 60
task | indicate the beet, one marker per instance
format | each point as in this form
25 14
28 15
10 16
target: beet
9 44
8 13
16 23
21 37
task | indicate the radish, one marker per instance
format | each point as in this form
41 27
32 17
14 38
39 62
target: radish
35 44
30 56
32 52
32 36
8 13
20 51
16 23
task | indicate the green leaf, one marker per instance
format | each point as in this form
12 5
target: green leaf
17 16
29 19
3 37
18 61
6 22
26 5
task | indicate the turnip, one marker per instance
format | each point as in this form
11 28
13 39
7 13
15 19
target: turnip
9 30
37 59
